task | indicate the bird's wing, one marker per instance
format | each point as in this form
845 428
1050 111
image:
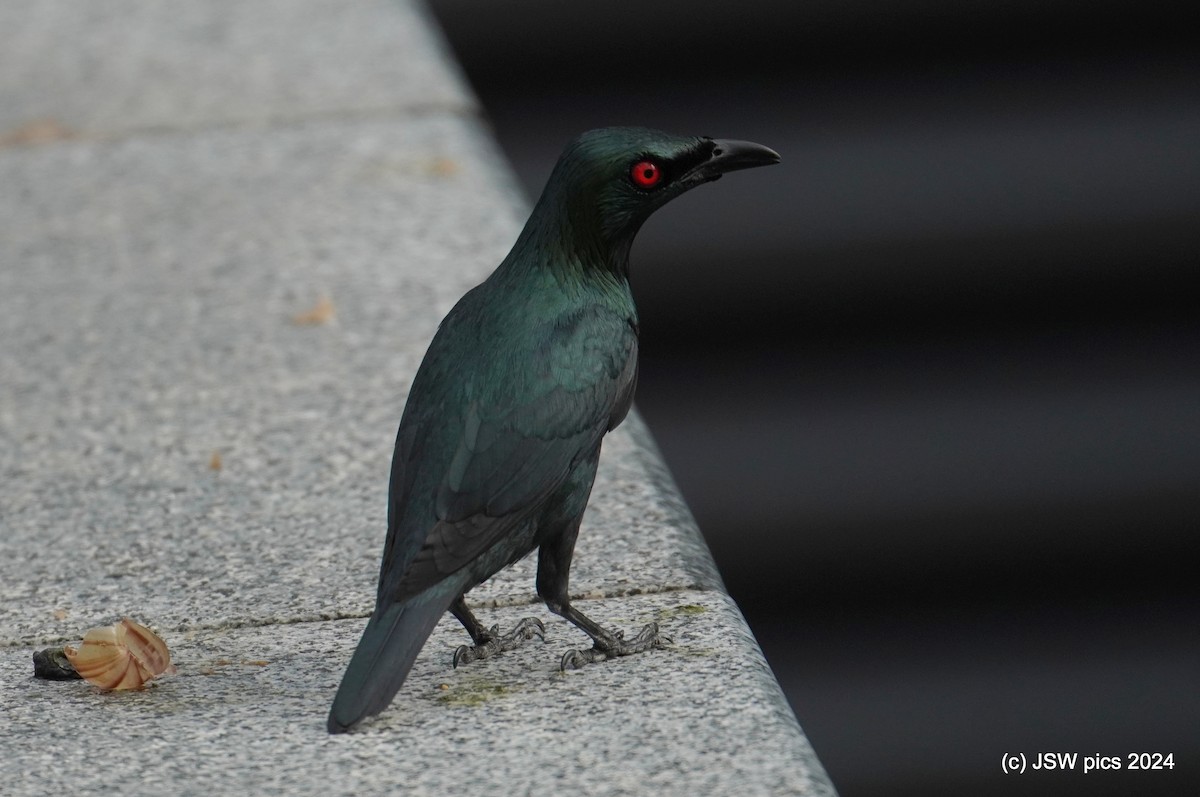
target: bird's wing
528 422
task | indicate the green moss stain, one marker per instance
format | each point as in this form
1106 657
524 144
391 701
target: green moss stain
471 694
686 610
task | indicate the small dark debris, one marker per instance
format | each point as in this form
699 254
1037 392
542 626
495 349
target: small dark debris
52 665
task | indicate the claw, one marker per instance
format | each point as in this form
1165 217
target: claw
531 627
494 642
574 659
650 635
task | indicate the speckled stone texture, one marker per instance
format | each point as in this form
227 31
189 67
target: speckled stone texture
122 65
243 716
184 441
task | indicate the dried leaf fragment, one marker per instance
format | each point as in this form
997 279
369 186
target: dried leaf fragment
121 656
321 313
36 131
443 167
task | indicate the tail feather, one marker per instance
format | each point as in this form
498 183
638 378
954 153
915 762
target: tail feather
389 646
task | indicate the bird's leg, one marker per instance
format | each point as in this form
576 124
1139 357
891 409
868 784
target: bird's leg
554 564
489 641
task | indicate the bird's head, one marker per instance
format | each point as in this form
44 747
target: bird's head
608 181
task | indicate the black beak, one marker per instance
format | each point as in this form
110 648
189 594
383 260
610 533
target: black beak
729 156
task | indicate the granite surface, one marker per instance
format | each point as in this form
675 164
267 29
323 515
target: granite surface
227 234
242 715
105 69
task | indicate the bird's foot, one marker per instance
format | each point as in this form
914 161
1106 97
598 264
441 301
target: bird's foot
648 639
496 642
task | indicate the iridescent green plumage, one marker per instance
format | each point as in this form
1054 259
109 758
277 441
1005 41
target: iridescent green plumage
499 442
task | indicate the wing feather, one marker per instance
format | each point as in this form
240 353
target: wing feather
509 432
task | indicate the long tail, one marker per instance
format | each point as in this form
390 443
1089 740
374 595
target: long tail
389 646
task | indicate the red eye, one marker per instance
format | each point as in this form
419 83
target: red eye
645 174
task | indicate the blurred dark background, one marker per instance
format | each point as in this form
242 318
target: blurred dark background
932 385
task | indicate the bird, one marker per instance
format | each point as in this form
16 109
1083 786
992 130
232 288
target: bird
500 437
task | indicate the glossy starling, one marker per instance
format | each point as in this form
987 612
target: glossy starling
498 445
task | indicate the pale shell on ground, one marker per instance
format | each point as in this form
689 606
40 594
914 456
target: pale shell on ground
121 656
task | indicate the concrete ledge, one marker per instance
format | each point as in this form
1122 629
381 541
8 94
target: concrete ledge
182 441
516 725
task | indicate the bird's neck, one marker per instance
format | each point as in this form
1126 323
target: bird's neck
567 243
